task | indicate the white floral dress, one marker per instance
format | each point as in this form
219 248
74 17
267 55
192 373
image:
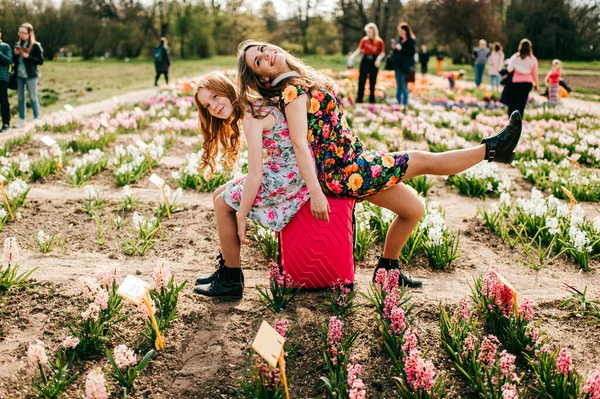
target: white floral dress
282 190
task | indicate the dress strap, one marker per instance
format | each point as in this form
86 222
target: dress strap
283 76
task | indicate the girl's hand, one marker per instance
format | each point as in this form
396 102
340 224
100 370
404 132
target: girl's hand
17 50
377 63
241 228
25 54
398 46
319 206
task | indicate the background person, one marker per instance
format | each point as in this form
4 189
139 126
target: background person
162 60
372 49
27 56
5 61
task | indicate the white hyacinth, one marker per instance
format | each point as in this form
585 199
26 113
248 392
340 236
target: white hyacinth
16 188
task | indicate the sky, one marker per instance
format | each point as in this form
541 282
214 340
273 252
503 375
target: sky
284 8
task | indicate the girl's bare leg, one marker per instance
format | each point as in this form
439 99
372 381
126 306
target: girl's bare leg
443 163
227 229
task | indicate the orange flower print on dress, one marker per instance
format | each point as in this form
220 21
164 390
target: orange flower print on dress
388 161
339 152
289 94
314 105
355 181
330 106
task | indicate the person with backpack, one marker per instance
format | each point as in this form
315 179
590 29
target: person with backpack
5 61
162 60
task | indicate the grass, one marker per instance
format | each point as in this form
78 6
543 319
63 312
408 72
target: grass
80 82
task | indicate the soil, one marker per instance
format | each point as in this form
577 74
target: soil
208 346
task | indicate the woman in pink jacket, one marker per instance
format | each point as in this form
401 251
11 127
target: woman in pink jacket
524 67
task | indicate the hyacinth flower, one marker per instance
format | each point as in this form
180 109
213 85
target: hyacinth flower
555 374
165 294
95 385
103 312
337 346
125 368
53 377
420 378
341 300
280 292
9 277
592 385
386 283
263 382
512 323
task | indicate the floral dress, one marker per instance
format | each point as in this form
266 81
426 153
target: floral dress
282 190
344 168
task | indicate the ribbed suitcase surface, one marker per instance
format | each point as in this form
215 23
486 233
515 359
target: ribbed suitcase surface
315 253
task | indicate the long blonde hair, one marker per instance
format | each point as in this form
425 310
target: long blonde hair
215 130
371 25
251 81
29 28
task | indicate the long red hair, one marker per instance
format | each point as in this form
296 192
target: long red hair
215 130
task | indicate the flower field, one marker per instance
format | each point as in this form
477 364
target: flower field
509 256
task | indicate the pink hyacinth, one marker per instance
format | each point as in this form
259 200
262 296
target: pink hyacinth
93 311
101 299
95 385
124 357
469 344
70 342
464 309
11 250
564 361
420 373
390 303
397 324
334 335
509 391
282 326
106 275
36 354
494 289
507 363
391 282
143 311
381 276
275 275
592 384
526 309
488 349
410 341
89 287
162 276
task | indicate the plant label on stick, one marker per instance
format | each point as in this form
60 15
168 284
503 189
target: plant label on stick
2 179
133 289
157 181
137 291
160 183
570 196
69 108
269 345
574 162
144 148
50 142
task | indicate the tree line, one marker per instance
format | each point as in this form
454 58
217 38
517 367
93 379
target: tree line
565 29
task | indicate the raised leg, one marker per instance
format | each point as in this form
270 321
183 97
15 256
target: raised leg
227 229
443 163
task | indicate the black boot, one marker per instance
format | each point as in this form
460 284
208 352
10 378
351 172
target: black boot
391 264
209 279
228 285
499 148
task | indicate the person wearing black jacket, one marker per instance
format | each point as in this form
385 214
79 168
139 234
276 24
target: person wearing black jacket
27 56
5 61
162 60
403 59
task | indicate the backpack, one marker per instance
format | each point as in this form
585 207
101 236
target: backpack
158 54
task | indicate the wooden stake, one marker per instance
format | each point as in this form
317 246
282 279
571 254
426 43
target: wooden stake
166 201
12 217
283 377
148 159
159 344
570 196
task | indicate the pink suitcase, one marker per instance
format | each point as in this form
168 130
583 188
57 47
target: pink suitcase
315 253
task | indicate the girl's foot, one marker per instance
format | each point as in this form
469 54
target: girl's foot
228 284
500 148
390 264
